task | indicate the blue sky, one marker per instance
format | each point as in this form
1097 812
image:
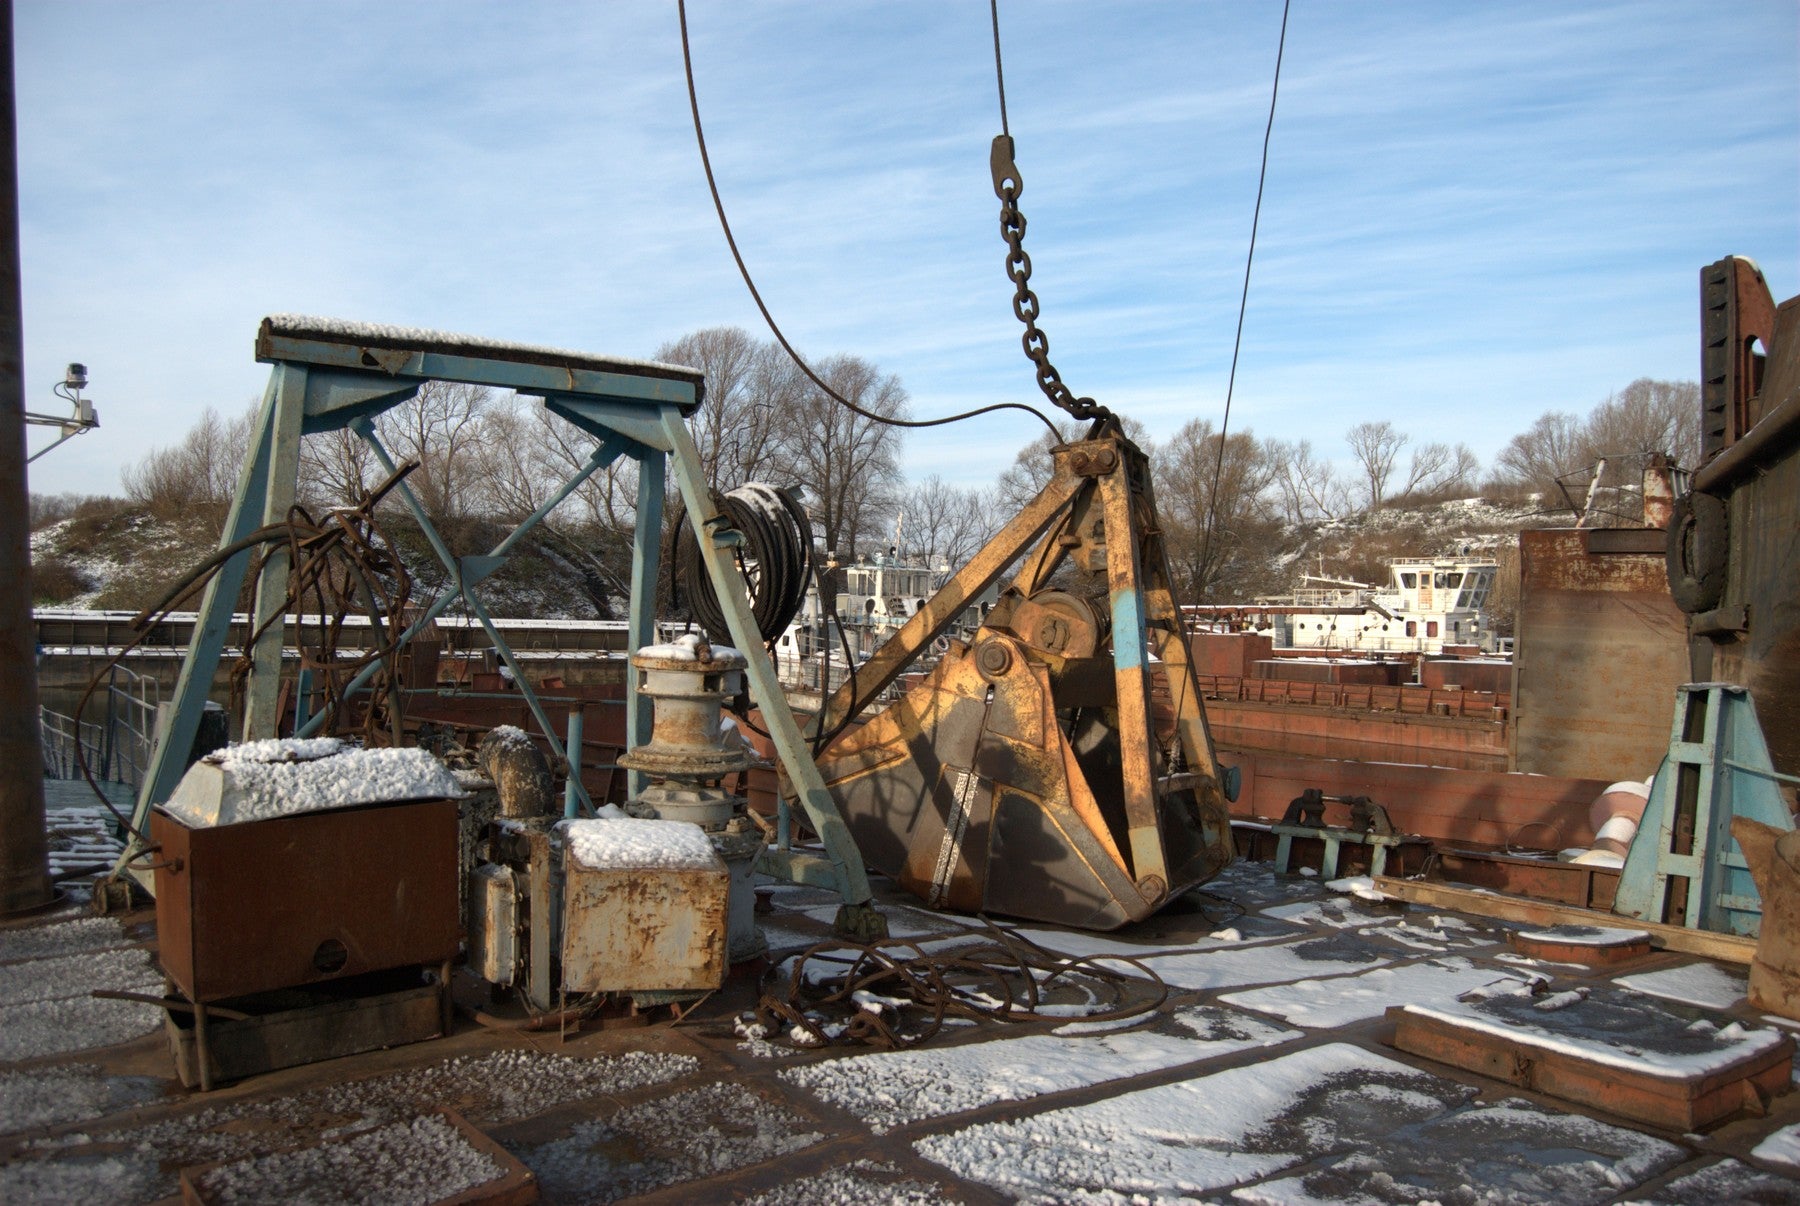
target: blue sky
1475 212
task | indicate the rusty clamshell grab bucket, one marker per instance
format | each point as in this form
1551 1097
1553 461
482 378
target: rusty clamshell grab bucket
1024 775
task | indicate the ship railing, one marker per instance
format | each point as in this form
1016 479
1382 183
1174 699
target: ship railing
114 748
1407 700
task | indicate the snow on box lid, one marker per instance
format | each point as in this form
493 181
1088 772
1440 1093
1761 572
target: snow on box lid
257 780
686 648
631 844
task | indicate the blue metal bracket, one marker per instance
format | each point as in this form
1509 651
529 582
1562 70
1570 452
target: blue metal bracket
1684 867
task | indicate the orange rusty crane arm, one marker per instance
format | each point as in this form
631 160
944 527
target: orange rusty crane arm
941 610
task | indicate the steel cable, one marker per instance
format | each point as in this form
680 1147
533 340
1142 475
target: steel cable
337 562
687 61
1002 980
775 560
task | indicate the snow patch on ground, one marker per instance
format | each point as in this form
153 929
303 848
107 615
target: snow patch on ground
50 1096
77 975
45 1006
1241 966
97 1178
400 1164
1728 1181
488 1090
1707 985
1782 1148
1197 1136
1509 1152
1324 1004
1337 912
893 1088
697 1133
61 938
863 1183
1586 935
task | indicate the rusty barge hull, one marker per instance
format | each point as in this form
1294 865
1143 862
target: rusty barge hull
1491 809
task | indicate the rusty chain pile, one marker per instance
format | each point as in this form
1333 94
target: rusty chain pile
341 563
863 992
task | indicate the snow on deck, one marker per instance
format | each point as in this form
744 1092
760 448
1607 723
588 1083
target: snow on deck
1613 1027
631 844
1200 1135
1328 1004
893 1088
415 1163
1705 984
1241 966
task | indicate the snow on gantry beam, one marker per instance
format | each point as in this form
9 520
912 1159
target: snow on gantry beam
420 352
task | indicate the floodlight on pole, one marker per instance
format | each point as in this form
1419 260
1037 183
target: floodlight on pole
83 416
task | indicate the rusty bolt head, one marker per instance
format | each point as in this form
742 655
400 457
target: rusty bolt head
1079 461
994 659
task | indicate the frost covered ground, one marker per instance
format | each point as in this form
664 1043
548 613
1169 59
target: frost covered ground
1264 1076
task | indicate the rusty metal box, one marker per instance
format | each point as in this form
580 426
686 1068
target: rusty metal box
641 929
300 899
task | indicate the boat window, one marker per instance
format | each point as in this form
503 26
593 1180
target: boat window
1430 628
1409 580
1412 628
1453 580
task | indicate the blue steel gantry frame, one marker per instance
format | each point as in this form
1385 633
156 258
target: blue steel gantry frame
329 375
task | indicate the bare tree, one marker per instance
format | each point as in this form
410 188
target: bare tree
1030 471
1645 419
1439 471
442 428
1309 487
1376 447
748 387
946 524
1535 459
849 464
335 468
1218 516
196 478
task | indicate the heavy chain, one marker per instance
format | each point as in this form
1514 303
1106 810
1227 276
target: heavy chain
1007 186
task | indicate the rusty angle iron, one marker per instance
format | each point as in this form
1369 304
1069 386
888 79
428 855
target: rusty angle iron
1025 774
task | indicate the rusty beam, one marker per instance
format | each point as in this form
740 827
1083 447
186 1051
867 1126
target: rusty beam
1728 948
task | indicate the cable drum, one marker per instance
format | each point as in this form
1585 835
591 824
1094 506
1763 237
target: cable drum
775 559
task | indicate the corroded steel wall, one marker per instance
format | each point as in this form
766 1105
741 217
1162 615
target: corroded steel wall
1601 648
1762 559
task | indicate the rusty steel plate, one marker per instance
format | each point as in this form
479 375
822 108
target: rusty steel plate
291 901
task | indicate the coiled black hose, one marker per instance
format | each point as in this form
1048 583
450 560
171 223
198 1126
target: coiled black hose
775 559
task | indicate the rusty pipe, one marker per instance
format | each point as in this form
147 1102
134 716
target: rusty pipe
1778 430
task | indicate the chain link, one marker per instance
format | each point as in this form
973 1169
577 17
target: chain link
1007 186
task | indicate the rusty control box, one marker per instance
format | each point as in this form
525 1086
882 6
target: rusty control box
637 924
296 900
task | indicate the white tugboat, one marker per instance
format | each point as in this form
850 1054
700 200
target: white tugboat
1429 603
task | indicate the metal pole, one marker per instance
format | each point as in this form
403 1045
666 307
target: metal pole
24 850
572 792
